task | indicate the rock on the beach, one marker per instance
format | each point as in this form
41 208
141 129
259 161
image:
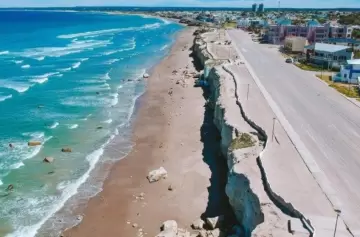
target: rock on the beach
48 159
169 225
34 143
170 188
198 224
156 175
214 222
146 75
66 149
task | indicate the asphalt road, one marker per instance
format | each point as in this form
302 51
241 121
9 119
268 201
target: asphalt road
327 123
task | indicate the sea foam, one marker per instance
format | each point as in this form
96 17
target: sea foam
3 98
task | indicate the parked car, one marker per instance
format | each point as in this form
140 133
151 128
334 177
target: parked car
289 60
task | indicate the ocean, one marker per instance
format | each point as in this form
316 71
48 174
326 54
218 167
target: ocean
67 80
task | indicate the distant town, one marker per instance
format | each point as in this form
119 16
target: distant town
314 40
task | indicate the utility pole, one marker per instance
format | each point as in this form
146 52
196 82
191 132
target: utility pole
273 130
337 218
248 89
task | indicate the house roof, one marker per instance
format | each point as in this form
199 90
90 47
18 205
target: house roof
313 23
354 62
342 40
331 48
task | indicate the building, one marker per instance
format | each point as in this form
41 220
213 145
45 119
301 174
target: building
295 44
254 7
261 7
342 41
328 55
349 73
341 32
312 30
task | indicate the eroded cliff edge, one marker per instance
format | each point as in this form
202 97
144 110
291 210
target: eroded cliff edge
259 210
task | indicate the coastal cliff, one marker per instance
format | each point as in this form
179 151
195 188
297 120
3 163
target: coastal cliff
242 142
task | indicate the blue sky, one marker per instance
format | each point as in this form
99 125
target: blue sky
210 3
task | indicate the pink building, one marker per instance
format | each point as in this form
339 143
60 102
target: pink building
313 32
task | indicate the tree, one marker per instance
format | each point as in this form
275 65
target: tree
355 34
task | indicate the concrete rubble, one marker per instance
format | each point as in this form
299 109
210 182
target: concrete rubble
156 175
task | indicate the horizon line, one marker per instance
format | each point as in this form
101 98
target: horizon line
208 7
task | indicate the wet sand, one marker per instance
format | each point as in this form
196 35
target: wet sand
173 130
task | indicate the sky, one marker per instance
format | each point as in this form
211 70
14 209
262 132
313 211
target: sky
190 3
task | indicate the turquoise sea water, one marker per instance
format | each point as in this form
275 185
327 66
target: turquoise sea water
67 79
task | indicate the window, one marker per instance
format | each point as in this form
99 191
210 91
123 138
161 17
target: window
335 57
345 75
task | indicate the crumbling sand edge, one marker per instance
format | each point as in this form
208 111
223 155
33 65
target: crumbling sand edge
208 60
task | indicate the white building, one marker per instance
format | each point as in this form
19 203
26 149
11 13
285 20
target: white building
295 44
350 72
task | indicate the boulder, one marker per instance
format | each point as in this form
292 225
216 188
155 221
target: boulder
156 175
214 222
146 75
48 159
66 150
169 225
198 224
34 143
170 188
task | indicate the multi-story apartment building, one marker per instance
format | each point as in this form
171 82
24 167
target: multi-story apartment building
312 31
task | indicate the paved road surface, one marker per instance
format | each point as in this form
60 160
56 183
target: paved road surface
327 123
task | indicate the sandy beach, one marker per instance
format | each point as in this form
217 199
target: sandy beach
172 130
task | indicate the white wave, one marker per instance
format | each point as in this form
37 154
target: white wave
86 118
43 78
109 31
166 22
76 65
73 126
67 192
1 183
65 69
106 76
25 66
18 61
84 59
90 101
4 52
40 58
108 121
59 75
111 61
54 125
164 47
20 87
16 165
2 98
114 99
72 48
110 52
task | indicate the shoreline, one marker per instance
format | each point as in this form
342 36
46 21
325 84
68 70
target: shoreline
128 161
163 136
71 210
